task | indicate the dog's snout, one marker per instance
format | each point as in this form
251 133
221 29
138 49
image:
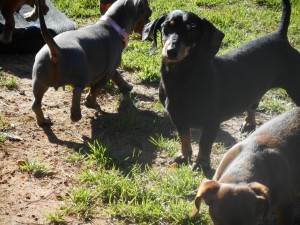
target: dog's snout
172 52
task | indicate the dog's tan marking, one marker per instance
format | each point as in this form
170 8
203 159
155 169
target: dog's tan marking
266 139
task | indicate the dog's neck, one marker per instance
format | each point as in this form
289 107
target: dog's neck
123 34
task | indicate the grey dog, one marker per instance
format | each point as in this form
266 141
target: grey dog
87 57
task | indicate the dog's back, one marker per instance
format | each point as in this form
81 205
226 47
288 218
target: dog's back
273 151
270 60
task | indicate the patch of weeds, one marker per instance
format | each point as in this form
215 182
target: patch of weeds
218 148
82 202
75 157
171 146
99 154
158 107
37 169
140 196
55 218
9 82
2 139
276 101
4 127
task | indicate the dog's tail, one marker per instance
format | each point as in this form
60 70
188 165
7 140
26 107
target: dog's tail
285 18
54 48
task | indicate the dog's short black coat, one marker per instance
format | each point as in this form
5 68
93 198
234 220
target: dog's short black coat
200 89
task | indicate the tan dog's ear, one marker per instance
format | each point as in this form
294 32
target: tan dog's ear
262 198
207 191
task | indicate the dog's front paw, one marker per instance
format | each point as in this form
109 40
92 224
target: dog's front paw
75 115
180 159
247 127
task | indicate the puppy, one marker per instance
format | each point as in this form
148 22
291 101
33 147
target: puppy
257 176
87 57
201 90
9 7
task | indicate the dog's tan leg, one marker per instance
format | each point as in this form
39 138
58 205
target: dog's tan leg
250 123
75 108
123 86
38 92
186 147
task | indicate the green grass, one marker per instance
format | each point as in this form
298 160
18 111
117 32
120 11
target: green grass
4 127
32 166
9 82
141 195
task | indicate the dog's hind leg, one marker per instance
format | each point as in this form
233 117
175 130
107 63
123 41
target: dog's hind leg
38 93
123 86
91 97
75 108
250 124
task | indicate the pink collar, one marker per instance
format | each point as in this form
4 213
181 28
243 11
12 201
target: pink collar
124 35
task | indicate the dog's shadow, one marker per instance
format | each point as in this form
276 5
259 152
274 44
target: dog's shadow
127 133
18 64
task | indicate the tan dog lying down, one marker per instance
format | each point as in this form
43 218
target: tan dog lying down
257 176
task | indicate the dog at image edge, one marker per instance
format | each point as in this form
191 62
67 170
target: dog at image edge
201 90
257 176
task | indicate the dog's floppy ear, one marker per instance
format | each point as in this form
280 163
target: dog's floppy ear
207 191
131 10
262 198
150 29
210 41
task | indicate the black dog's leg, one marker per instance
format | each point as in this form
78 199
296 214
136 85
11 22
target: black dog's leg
295 95
250 123
161 94
206 141
123 86
186 148
75 108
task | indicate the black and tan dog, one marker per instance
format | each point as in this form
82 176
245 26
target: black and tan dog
9 7
257 176
201 90
87 57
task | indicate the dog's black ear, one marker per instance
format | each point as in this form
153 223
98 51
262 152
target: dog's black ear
150 29
210 41
131 8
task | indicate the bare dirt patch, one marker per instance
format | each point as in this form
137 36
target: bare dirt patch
127 126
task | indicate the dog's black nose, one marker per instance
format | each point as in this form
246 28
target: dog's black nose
172 53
